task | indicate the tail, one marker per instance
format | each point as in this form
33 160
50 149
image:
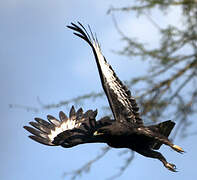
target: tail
56 132
165 129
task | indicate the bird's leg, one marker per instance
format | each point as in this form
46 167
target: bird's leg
161 138
177 148
166 141
157 155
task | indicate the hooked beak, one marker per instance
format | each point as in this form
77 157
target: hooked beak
96 133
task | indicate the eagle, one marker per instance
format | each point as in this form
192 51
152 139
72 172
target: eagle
125 130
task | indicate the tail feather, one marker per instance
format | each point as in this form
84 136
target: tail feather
165 129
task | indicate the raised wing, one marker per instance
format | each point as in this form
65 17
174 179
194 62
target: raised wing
123 105
70 131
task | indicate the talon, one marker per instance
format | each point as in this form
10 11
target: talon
171 167
178 149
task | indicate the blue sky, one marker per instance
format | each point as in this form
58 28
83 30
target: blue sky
39 57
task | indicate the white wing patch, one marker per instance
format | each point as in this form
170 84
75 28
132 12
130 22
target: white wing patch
49 133
110 78
66 125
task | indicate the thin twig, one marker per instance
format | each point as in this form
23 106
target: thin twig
86 167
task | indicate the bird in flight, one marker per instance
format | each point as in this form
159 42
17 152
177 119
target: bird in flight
126 130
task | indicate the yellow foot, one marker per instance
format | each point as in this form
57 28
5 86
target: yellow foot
170 167
177 148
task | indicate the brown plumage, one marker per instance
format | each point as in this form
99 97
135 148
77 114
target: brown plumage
126 130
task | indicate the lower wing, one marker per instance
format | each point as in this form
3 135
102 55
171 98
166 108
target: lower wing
70 131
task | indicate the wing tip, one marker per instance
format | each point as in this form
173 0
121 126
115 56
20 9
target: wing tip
41 140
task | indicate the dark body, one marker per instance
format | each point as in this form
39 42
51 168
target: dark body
120 135
126 130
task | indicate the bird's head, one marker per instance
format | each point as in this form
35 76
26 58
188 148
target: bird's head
104 131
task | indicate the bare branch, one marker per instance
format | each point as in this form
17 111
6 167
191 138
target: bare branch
162 90
86 167
124 167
